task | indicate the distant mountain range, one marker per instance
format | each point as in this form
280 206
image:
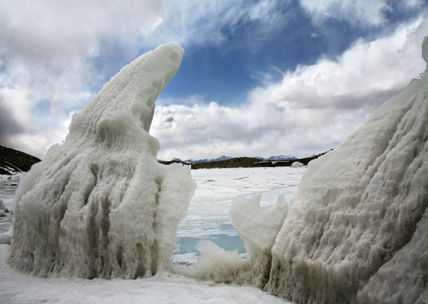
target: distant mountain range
224 157
13 161
245 162
281 157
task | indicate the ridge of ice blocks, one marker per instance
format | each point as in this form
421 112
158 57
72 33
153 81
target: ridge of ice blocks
100 205
358 228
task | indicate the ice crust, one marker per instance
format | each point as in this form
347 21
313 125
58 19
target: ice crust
358 227
100 205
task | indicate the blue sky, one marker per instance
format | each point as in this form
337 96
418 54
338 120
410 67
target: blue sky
258 78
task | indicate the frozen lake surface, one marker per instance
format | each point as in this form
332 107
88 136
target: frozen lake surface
207 219
208 214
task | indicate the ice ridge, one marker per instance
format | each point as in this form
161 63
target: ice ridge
358 228
100 205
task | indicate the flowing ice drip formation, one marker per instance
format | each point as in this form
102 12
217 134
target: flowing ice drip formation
100 205
358 227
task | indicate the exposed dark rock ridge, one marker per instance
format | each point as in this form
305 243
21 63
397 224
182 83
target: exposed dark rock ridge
13 161
246 162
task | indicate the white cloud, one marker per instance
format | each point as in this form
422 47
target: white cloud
367 70
313 108
355 11
358 12
27 132
52 53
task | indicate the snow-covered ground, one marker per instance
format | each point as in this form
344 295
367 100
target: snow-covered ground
207 219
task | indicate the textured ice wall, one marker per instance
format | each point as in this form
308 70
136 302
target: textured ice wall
358 228
100 205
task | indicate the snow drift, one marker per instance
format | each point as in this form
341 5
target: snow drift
100 205
358 227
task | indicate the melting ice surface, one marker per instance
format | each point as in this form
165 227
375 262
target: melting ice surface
208 213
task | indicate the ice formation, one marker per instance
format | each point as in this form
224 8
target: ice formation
297 164
3 209
100 205
357 230
258 228
358 227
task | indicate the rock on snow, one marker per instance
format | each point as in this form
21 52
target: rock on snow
100 205
358 227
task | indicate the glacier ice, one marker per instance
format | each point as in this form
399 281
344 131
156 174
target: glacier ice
358 227
100 205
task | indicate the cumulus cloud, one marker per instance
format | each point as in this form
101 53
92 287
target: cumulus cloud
21 129
313 108
56 54
366 71
8 125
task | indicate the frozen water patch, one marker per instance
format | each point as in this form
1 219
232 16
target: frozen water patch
250 196
208 214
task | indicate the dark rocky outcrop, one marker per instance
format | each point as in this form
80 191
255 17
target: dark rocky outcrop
13 161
